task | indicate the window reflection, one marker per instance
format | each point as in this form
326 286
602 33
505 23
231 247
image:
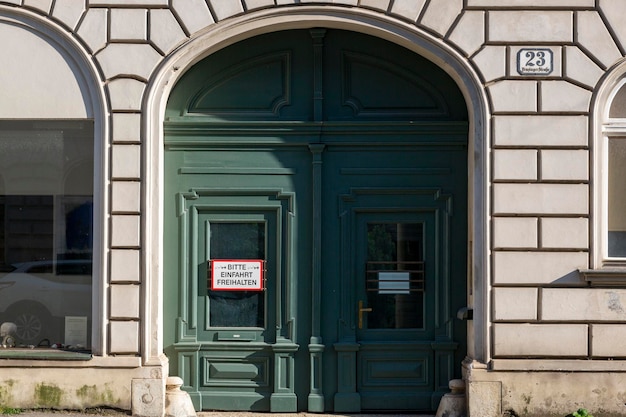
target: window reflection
395 276
617 198
46 223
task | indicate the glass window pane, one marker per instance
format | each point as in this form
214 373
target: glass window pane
617 198
618 105
237 241
46 239
395 276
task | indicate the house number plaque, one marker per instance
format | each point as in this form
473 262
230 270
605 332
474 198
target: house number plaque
534 61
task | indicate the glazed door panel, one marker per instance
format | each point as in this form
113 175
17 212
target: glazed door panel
400 220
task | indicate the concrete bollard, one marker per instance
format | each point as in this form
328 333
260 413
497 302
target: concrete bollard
177 403
453 404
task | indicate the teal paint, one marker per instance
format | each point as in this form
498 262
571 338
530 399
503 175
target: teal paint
315 135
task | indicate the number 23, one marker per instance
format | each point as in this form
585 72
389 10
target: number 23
535 58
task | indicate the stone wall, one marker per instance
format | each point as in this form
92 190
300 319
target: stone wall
539 153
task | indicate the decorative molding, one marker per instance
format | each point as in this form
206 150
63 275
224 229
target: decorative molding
605 277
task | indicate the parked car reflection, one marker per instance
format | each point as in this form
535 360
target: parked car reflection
37 296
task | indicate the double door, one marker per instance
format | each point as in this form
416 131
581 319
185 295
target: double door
356 215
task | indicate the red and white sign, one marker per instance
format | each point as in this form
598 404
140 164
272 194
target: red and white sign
236 275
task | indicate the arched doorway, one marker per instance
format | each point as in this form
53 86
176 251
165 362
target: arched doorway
339 162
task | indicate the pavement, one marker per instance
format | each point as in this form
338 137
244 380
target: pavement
120 413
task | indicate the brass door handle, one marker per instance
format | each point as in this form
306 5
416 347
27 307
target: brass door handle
361 311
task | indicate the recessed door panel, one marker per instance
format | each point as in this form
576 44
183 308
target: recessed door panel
338 161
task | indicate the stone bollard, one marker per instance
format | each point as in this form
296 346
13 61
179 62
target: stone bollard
7 334
453 404
177 403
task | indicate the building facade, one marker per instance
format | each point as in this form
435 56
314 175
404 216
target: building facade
324 206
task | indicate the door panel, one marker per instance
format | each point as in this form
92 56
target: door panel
396 232
340 161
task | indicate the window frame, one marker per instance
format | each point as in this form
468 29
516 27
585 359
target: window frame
604 269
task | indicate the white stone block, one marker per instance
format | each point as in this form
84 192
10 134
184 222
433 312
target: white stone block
579 67
226 8
440 15
93 29
564 164
194 14
42 5
515 164
124 337
515 232
69 11
383 5
165 32
583 304
518 56
594 37
145 3
126 127
125 197
484 398
514 96
562 96
540 199
564 233
608 340
407 9
537 268
515 303
124 301
614 13
125 265
530 26
469 33
148 397
126 94
126 162
541 130
491 62
523 339
114 60
125 231
258 4
129 25
532 3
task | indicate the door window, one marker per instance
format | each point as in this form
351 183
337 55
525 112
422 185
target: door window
395 276
237 241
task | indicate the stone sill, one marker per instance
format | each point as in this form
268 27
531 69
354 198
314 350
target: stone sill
558 365
605 277
44 358
44 354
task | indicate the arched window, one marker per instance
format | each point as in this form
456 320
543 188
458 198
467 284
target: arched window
48 119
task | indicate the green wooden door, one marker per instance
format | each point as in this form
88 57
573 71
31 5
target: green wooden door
339 162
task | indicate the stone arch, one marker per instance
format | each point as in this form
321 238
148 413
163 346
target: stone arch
365 21
84 98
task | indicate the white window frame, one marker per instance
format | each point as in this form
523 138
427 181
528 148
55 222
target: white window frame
605 270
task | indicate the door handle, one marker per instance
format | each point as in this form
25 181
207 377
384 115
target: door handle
361 311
